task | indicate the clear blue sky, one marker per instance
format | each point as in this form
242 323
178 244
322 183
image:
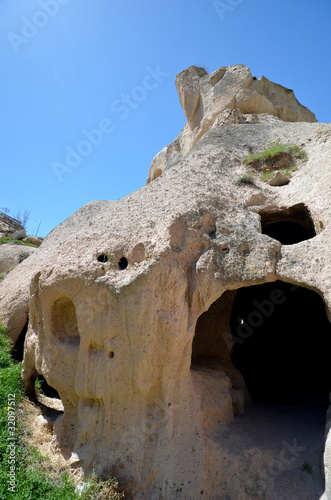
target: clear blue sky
72 66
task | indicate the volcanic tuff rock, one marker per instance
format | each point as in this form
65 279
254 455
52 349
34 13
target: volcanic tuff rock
226 96
11 227
114 294
12 254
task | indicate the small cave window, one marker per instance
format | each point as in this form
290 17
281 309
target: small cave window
289 226
18 349
123 263
103 258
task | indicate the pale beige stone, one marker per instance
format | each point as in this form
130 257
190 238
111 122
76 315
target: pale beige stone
207 102
251 101
117 343
12 254
188 88
279 179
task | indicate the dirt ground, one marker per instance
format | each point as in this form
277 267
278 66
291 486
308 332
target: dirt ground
273 452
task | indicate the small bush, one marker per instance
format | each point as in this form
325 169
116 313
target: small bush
95 489
22 256
244 179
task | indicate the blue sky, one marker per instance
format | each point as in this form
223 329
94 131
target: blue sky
88 87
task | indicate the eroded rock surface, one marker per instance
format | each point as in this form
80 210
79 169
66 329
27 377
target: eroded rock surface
228 95
12 254
115 293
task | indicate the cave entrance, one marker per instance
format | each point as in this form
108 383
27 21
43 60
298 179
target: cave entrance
282 341
277 337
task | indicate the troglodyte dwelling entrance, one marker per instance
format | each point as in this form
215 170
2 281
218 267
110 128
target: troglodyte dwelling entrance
277 335
282 341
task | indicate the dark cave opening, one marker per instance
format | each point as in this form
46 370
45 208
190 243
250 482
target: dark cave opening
287 232
18 349
45 389
282 340
289 226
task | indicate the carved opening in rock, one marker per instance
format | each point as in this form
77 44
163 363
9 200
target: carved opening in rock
289 226
46 397
103 258
18 349
123 263
211 354
212 234
42 387
281 344
64 322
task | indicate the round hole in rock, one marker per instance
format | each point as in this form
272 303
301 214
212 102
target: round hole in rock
42 387
281 344
103 258
111 354
123 263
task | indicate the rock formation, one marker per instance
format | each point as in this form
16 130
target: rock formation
115 297
12 254
228 95
10 226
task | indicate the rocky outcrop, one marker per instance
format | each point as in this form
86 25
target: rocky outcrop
228 95
33 240
116 298
12 254
11 227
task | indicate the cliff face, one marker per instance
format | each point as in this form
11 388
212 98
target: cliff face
130 303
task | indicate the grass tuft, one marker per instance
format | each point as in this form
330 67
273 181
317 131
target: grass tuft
244 179
276 149
9 239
